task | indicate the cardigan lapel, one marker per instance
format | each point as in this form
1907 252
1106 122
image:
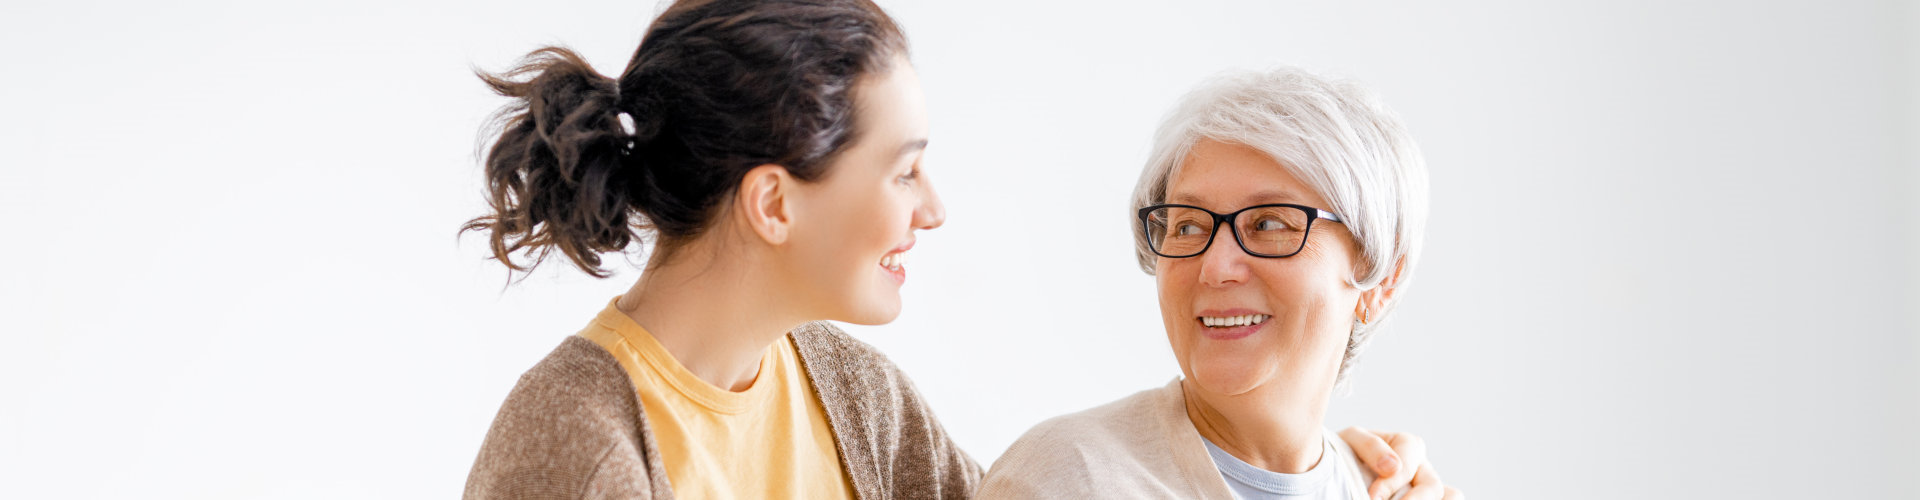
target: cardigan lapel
849 411
1189 454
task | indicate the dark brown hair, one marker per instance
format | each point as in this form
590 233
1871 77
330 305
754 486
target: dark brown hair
715 89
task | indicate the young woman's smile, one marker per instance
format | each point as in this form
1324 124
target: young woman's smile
895 263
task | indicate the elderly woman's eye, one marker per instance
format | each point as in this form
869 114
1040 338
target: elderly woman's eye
1187 229
1270 225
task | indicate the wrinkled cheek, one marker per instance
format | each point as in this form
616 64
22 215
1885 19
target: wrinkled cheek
1180 337
1181 345
1333 318
1321 336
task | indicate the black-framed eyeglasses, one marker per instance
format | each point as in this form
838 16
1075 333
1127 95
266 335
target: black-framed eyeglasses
1274 231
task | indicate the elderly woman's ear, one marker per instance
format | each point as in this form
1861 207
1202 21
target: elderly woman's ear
1374 301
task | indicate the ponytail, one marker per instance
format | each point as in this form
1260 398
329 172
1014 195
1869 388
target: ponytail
554 176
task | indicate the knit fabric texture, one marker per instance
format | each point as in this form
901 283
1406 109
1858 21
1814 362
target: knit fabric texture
574 428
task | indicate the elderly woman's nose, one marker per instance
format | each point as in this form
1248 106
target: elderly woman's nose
1224 262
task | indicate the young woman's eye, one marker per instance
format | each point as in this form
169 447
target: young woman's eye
910 176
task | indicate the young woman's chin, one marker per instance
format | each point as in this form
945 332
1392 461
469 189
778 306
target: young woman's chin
877 311
877 303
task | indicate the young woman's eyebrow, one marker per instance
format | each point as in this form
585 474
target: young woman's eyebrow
911 147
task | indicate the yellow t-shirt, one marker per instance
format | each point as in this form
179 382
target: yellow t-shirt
771 440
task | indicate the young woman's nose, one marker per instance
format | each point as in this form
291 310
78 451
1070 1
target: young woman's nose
931 213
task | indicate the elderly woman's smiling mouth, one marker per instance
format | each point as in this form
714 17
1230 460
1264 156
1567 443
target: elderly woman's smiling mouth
1231 324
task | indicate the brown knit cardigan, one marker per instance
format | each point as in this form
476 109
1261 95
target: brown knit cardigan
574 428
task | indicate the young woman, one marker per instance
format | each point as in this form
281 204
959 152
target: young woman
770 150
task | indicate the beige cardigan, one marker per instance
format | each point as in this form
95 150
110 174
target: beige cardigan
574 428
1142 446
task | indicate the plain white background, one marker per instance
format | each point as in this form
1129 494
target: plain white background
1672 252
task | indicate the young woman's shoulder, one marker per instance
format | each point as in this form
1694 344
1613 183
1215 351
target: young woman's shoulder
890 439
827 351
571 428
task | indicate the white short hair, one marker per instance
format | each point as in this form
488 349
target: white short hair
1333 135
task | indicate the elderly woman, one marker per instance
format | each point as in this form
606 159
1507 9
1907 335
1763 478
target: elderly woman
1281 214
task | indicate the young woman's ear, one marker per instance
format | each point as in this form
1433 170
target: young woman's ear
764 200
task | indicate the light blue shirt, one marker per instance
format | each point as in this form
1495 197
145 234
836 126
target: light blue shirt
1322 482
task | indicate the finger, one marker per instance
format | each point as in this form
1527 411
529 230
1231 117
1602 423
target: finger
1411 449
1454 494
1426 485
1372 450
1412 452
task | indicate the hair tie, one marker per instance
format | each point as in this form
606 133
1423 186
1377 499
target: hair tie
627 127
626 124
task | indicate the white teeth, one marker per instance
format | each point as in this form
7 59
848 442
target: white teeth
893 261
1231 321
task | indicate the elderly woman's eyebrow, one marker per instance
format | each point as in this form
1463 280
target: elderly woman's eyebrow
1258 197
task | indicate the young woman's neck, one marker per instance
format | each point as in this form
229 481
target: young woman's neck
713 310
1263 427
